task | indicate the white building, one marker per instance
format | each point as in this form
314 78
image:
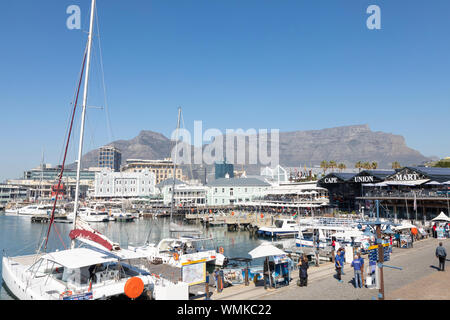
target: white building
110 184
228 191
185 194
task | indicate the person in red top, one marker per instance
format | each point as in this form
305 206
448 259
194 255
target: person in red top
434 230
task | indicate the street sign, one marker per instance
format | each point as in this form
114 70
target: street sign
373 252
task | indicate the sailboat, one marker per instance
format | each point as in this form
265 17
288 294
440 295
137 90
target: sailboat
184 244
100 269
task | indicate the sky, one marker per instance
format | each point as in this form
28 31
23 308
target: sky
287 65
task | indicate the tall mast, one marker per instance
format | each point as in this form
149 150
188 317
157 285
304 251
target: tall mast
175 166
83 116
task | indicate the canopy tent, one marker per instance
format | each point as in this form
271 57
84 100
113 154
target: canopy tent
441 217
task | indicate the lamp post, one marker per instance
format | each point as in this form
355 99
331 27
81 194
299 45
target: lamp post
379 243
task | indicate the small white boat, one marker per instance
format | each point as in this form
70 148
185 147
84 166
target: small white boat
120 215
281 226
176 251
93 215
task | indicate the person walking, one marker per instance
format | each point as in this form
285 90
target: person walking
441 254
342 260
357 267
338 264
303 271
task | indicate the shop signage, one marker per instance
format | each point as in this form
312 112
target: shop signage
406 177
363 179
331 180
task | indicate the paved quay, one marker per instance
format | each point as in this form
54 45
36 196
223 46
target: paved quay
419 279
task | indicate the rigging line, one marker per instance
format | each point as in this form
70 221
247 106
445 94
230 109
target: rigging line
69 114
65 153
108 119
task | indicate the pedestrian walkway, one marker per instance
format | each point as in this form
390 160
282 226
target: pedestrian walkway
242 292
418 279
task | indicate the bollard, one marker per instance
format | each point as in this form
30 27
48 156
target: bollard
207 288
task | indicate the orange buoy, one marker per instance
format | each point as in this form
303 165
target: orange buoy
134 287
176 256
262 216
414 231
232 213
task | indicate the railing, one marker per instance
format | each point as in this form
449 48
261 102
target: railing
407 194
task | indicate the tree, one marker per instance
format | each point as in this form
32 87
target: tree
359 165
367 165
342 166
332 164
324 165
396 165
374 165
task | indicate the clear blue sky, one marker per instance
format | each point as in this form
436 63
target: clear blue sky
288 65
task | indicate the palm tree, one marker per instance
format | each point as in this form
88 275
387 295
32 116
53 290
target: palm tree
396 165
366 165
359 165
324 165
374 165
332 164
342 166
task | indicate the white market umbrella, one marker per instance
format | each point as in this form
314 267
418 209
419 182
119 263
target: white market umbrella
441 217
266 250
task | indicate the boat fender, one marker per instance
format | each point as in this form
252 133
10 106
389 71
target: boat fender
67 293
176 256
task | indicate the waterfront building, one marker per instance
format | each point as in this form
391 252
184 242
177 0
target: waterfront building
419 193
109 184
228 191
162 169
12 193
109 157
48 172
184 194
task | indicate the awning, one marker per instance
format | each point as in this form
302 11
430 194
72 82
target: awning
79 257
407 183
379 184
433 183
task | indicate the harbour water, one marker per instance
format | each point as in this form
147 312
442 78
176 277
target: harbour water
18 236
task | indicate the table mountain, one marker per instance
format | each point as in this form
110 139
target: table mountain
347 144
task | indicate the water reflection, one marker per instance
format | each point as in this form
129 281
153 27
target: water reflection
18 236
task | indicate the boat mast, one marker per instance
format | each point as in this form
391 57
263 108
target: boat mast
83 116
174 167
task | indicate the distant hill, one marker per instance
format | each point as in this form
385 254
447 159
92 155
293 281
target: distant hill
347 144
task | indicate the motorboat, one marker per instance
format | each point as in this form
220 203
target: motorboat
93 214
119 215
280 227
325 233
177 251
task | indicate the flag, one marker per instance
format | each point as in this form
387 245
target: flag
295 215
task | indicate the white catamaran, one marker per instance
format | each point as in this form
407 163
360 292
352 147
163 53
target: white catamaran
101 269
